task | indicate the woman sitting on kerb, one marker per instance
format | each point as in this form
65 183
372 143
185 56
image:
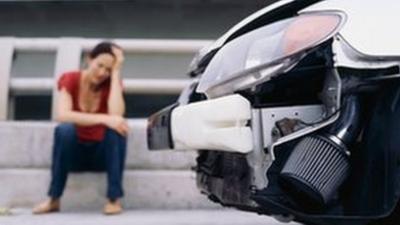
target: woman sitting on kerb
92 132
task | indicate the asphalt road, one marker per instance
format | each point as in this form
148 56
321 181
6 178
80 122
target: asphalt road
141 217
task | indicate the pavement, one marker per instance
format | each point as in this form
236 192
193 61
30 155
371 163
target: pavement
140 217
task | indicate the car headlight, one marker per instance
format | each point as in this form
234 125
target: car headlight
267 51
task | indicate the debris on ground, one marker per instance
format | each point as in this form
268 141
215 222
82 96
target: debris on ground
4 211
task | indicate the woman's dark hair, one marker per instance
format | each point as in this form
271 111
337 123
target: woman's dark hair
101 48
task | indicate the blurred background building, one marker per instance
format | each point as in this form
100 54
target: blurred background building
136 19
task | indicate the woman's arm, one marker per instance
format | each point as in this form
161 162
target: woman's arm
66 114
116 102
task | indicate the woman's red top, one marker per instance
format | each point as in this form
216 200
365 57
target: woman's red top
70 81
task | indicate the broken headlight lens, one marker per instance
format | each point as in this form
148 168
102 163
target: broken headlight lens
267 51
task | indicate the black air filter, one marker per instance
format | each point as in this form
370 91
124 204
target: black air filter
315 170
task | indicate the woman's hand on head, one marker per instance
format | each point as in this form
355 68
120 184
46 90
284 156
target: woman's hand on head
117 123
119 58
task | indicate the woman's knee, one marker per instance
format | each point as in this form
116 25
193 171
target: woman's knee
112 134
65 140
65 131
116 139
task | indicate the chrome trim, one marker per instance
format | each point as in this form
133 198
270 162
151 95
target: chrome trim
308 114
258 160
337 141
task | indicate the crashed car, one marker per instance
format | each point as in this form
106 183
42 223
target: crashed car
295 113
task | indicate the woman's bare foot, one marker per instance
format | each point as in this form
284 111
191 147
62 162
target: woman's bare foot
112 207
51 205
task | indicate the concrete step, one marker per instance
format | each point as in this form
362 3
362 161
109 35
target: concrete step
29 145
153 189
142 217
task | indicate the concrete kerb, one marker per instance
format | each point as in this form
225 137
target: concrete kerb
28 145
143 190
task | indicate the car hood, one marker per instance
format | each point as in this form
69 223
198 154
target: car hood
370 28
371 25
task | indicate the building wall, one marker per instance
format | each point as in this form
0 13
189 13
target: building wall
128 19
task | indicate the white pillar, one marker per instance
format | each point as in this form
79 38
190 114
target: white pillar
68 58
6 58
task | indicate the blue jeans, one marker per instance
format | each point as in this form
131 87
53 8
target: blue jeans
71 155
